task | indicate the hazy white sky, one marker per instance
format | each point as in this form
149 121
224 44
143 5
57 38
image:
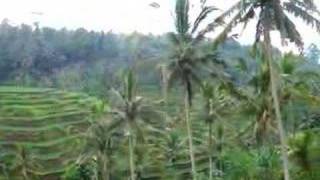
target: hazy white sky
117 15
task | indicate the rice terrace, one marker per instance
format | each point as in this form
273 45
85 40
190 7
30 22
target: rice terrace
160 90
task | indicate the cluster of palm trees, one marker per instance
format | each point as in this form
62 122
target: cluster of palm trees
193 64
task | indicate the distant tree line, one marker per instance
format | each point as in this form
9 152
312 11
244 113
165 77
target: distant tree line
85 60
33 52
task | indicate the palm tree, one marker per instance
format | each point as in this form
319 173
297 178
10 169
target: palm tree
298 76
257 97
272 16
186 59
99 147
134 115
24 163
296 85
208 94
216 106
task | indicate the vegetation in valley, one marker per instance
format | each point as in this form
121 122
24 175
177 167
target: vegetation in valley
173 106
42 130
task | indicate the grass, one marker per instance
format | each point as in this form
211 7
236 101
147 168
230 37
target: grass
48 124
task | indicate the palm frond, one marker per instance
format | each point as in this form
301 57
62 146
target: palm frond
209 28
207 90
212 58
97 140
151 116
117 121
288 65
203 15
303 14
220 20
116 98
292 33
279 18
247 17
229 12
173 38
307 5
182 17
224 34
130 83
174 74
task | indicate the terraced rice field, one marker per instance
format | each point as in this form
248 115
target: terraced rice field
44 127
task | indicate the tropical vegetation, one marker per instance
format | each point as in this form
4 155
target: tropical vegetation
183 105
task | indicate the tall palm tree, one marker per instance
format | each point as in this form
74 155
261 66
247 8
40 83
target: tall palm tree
296 83
298 76
208 94
296 86
257 98
272 16
215 105
134 115
186 58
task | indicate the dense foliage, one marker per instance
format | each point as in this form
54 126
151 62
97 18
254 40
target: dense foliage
88 61
72 59
176 106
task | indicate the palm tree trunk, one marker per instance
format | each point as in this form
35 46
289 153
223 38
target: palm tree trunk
220 147
210 152
285 161
165 95
104 175
189 131
131 154
25 174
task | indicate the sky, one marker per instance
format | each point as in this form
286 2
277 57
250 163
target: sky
123 16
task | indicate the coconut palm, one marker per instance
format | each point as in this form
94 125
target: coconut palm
24 163
257 98
296 83
215 105
297 78
272 16
133 115
208 94
186 58
99 147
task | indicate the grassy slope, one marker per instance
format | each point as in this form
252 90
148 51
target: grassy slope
46 123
